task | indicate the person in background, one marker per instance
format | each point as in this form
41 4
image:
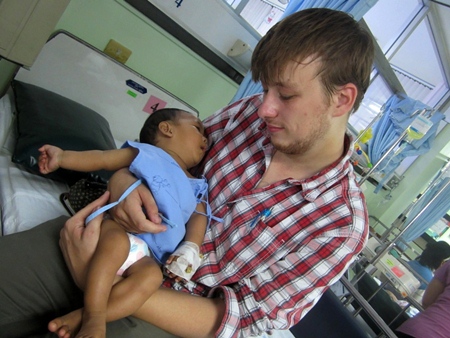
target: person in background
431 258
279 175
434 320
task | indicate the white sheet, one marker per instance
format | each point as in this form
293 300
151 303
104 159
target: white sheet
26 200
6 119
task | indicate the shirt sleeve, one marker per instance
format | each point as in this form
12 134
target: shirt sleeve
443 273
279 297
218 123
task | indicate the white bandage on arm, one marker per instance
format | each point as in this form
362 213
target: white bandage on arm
187 262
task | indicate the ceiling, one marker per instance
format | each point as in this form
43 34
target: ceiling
440 12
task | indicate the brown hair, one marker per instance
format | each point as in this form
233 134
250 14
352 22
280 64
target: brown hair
344 48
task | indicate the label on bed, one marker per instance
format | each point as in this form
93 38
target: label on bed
136 86
154 103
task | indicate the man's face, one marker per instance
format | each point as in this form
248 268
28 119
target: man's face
296 110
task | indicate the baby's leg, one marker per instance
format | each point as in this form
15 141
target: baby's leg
142 279
111 252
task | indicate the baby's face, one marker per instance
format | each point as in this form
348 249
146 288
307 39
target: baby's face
191 138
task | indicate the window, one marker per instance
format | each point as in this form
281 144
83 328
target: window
407 38
261 15
410 44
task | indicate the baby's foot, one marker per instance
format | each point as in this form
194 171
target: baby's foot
93 326
67 325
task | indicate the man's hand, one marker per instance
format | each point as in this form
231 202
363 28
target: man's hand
138 212
78 242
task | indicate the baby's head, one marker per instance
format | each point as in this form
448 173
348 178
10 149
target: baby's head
150 130
178 132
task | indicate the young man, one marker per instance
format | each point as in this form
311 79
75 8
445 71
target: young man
279 176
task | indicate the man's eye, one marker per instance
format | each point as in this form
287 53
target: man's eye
286 97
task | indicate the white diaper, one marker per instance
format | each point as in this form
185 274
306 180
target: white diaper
138 249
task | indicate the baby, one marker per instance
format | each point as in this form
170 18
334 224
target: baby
171 142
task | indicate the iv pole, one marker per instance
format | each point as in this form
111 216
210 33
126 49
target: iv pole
402 137
442 174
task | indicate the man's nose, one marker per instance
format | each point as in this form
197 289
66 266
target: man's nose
269 107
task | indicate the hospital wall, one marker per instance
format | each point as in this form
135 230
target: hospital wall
155 54
415 180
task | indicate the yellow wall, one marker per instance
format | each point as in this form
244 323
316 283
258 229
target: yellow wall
155 54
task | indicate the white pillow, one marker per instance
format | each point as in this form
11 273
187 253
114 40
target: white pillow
7 117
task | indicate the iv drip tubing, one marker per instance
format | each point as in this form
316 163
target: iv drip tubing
366 176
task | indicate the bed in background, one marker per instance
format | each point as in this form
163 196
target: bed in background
25 199
73 96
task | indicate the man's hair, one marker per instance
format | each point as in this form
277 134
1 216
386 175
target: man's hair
434 254
344 48
150 129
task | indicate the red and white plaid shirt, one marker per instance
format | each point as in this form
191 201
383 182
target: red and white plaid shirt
271 270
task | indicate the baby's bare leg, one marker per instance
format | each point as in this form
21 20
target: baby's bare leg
141 280
112 250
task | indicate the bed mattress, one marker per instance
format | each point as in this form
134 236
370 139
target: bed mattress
26 199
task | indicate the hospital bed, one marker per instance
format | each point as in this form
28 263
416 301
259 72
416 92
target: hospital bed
74 96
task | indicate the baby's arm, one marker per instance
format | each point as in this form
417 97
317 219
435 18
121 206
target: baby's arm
196 226
186 258
51 158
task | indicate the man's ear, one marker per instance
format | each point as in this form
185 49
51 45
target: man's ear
165 128
345 99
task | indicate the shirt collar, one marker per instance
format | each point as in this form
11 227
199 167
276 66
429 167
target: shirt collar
314 186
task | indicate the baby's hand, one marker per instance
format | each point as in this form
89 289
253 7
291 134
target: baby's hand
184 262
49 158
170 260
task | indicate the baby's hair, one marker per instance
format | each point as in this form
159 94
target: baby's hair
149 131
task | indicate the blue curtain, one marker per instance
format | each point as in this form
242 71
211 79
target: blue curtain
356 8
435 211
398 115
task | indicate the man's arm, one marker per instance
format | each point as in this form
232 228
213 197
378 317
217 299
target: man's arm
79 241
183 314
277 298
434 289
176 312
